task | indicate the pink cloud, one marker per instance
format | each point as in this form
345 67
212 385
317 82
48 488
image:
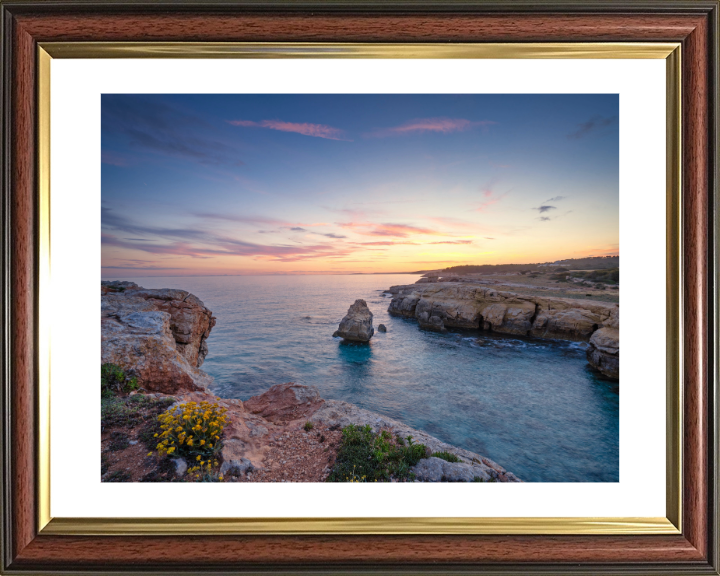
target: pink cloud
396 230
492 198
442 125
306 129
229 247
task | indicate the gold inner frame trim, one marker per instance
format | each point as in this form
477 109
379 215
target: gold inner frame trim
527 525
290 526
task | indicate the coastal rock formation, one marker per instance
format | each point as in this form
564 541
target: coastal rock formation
190 321
357 324
438 306
285 402
382 328
604 352
463 305
156 335
438 470
338 414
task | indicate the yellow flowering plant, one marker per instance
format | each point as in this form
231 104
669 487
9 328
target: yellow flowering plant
205 471
192 430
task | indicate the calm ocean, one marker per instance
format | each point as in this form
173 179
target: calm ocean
533 406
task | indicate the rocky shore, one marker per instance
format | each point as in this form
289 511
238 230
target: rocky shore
469 304
288 433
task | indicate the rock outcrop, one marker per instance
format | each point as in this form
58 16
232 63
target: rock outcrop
438 306
256 425
336 413
357 324
190 321
158 336
438 470
604 350
285 402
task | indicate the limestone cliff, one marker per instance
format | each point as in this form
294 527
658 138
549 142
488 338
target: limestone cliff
159 336
438 306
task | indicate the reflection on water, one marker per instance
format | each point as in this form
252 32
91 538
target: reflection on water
354 352
534 406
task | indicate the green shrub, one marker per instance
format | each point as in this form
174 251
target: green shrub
118 441
308 426
368 457
447 456
113 381
602 277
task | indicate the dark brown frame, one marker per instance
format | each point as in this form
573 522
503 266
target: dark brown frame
694 23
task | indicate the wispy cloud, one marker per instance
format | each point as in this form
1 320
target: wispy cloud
153 268
555 199
421 125
595 124
452 242
492 198
220 246
111 220
395 230
204 244
304 128
545 208
251 219
152 124
298 229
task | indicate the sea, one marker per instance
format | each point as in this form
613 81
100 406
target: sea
533 406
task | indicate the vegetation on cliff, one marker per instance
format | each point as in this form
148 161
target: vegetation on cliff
366 456
590 263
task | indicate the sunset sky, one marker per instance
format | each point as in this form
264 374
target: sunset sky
287 184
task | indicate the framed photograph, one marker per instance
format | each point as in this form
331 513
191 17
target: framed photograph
359 303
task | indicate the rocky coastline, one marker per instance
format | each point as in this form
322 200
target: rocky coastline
288 433
466 303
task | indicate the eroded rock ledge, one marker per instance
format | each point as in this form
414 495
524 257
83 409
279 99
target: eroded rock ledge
439 306
260 423
159 336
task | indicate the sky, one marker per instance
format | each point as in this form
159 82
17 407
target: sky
199 184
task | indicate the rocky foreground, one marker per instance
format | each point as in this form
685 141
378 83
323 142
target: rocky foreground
470 304
159 337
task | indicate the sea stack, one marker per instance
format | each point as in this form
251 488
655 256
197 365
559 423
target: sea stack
357 324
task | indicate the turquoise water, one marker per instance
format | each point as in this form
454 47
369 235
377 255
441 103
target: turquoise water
533 406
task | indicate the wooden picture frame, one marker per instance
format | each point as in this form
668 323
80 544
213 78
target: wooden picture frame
31 545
